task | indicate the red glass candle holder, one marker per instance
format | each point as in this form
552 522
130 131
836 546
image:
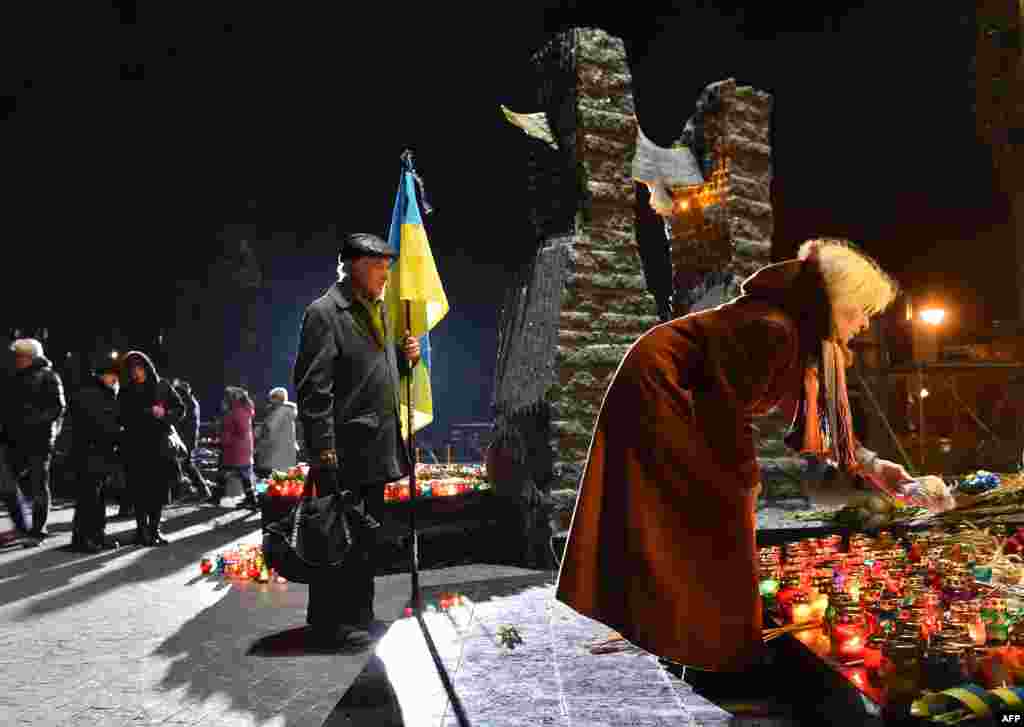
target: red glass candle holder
848 641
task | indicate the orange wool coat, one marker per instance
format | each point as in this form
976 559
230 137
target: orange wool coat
662 544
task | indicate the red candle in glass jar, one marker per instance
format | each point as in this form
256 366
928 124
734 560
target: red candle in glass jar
848 641
801 610
790 587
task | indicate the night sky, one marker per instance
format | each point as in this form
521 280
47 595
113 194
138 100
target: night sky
132 138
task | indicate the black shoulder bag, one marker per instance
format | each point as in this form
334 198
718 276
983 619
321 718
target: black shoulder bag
312 539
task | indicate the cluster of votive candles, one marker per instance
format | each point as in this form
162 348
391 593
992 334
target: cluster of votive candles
884 603
245 561
398 492
446 602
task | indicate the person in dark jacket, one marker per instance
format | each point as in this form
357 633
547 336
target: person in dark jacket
34 414
149 407
346 378
189 430
94 452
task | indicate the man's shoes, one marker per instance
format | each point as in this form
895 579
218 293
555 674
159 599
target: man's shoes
353 636
143 538
109 544
158 539
248 503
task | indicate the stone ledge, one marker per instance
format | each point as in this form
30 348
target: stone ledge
754 189
620 260
612 193
739 144
571 427
747 207
611 281
612 148
610 171
596 355
597 338
609 216
622 126
638 304
569 320
596 238
757 229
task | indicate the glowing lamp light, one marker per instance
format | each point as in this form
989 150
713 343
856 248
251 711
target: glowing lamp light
924 393
933 316
769 587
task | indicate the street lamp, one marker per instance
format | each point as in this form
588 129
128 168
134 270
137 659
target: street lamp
932 316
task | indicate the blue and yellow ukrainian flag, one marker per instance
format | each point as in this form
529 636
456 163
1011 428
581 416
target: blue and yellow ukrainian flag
414 278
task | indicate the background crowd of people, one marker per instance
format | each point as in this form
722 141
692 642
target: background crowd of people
127 424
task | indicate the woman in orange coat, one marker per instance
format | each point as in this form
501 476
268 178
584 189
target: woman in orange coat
662 545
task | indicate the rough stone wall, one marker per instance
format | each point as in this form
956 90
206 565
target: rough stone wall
583 300
730 135
606 305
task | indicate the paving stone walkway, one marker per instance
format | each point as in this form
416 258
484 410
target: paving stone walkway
138 637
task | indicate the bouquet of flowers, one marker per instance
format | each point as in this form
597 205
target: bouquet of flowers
290 483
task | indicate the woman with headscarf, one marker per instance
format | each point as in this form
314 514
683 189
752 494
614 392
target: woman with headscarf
149 409
662 544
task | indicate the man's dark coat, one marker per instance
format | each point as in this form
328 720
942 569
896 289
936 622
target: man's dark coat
347 390
96 429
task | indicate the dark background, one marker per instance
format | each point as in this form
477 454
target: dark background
132 137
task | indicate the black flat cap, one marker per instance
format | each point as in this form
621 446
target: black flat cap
365 243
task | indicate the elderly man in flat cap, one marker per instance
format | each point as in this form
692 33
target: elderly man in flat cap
346 378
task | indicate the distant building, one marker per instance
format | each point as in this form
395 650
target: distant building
470 440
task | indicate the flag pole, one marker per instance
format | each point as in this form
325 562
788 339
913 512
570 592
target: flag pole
417 601
414 564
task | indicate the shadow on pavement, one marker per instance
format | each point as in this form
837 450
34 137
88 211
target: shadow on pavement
298 641
50 570
252 648
370 701
36 560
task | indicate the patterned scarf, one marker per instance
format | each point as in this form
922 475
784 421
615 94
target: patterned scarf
830 435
